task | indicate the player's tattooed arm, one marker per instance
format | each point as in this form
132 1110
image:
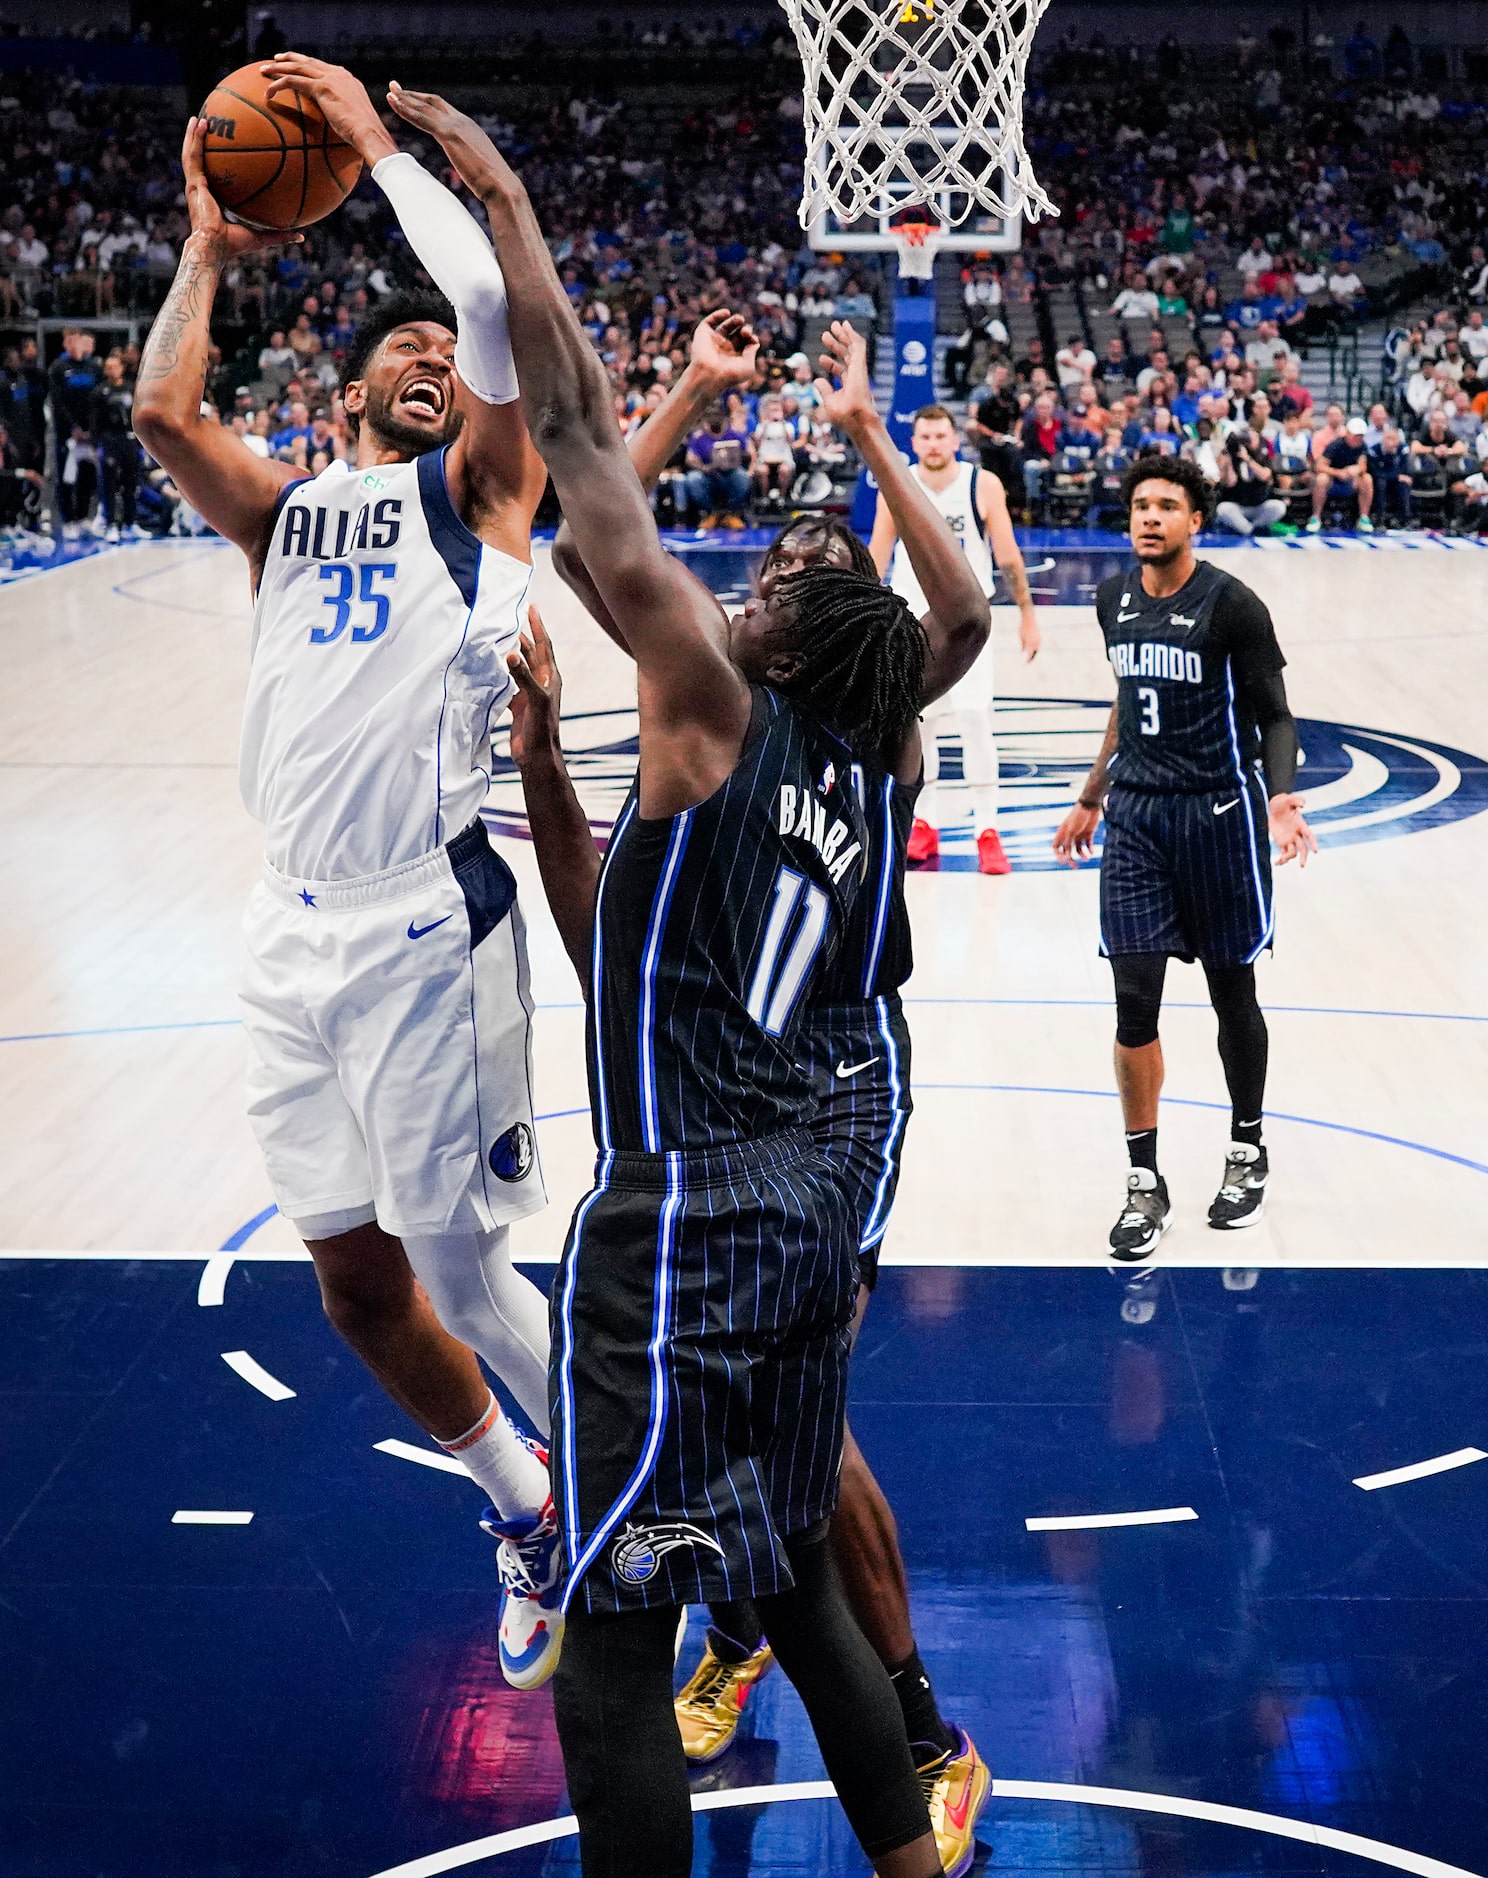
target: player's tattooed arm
724 353
959 618
1074 839
992 505
233 489
567 858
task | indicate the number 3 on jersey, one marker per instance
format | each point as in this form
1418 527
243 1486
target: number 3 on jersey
1151 723
774 989
344 581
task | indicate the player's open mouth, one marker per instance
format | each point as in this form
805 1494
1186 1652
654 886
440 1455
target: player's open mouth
425 395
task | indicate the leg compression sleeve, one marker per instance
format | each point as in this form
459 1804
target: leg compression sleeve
462 264
1243 1042
1139 988
849 1698
622 1754
480 1297
979 764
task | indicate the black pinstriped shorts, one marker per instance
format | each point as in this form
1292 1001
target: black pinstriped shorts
701 1330
858 1055
1189 875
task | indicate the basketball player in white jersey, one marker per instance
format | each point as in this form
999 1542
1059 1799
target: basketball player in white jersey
385 996
976 508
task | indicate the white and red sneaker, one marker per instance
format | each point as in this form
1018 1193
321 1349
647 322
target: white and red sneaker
529 1558
991 855
924 842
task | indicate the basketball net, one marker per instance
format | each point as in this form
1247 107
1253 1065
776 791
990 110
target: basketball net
917 243
916 101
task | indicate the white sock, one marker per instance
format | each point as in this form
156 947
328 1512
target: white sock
507 1468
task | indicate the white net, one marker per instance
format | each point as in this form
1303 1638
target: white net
916 101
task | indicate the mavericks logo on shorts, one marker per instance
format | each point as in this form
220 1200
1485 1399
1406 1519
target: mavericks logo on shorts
513 1153
637 1554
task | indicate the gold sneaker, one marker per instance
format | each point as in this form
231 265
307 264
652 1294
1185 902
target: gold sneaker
956 1789
709 1707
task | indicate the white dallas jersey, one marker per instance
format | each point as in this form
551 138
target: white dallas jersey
957 503
378 662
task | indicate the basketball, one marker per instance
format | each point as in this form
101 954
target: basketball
273 162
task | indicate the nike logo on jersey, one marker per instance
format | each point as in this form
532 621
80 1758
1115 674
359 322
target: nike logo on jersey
1122 618
1223 808
846 1070
417 932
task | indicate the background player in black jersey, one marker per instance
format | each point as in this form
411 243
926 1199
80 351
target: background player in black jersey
854 1040
1200 717
703 1306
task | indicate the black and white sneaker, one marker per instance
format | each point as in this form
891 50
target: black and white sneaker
1145 1218
1242 1198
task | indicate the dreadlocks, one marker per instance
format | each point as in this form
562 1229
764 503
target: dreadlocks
859 656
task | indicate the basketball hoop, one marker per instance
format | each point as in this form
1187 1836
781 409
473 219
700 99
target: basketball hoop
916 101
917 243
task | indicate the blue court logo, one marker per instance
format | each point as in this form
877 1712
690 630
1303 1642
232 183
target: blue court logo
513 1154
637 1554
1360 784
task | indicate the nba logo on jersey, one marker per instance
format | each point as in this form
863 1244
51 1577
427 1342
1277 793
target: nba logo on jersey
829 776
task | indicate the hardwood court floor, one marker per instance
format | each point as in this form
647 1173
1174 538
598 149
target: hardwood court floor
126 858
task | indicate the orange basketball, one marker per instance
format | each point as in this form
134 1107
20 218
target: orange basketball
273 162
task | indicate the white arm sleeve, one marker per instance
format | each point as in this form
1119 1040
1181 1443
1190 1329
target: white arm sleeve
460 261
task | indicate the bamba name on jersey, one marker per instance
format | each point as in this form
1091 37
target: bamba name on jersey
803 816
1152 659
374 525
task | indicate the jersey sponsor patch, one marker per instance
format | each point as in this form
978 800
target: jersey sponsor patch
637 1554
513 1154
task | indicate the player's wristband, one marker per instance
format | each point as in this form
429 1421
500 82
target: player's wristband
1086 802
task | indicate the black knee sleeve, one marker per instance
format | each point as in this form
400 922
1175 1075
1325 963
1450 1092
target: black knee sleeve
847 1693
622 1754
1243 1041
1139 988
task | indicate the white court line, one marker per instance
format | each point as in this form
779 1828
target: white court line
406 1451
1419 1470
213 1284
1303 1831
1090 1522
256 1376
210 1519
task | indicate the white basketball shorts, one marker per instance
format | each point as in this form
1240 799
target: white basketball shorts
389 1025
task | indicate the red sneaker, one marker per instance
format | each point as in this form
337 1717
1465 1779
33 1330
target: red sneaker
991 856
924 842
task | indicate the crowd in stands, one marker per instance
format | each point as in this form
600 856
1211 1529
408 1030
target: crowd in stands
1208 232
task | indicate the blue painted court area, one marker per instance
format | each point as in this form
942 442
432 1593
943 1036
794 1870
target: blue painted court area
316 1691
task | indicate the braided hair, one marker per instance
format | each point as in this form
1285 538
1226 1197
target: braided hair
859 655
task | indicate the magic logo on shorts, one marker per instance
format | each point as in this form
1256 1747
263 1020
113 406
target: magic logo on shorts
513 1153
637 1554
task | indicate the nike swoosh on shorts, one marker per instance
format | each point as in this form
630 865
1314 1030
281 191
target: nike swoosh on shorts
844 1070
1223 808
417 932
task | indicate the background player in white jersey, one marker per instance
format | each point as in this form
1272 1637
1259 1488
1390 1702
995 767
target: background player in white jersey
976 508
385 993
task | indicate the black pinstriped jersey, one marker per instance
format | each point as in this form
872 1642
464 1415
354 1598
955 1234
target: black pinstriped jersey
711 928
1187 668
876 954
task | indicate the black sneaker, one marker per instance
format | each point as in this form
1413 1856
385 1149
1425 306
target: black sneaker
1242 1198
1144 1219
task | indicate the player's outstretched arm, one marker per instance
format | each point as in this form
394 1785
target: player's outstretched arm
567 858
724 354
1257 665
495 476
694 704
1074 839
234 490
959 618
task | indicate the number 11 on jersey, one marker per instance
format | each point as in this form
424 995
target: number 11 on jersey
775 987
